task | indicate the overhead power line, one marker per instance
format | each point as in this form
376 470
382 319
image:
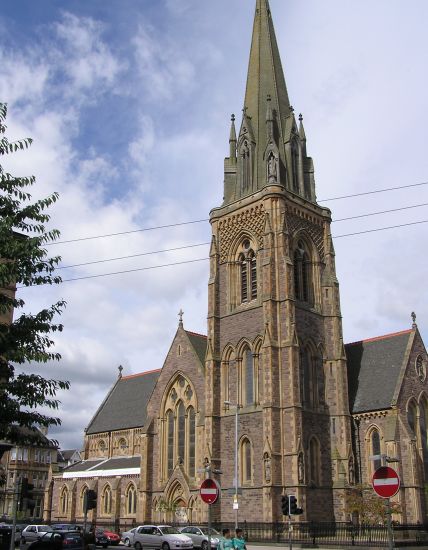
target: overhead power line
143 229
207 258
184 247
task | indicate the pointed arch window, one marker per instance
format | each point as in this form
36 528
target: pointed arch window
246 462
179 437
248 377
423 423
246 167
82 499
314 461
64 501
131 500
375 449
192 441
106 500
248 273
170 441
302 273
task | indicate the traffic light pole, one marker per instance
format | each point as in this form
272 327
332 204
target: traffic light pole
290 542
16 495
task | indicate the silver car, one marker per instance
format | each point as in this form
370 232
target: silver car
199 536
161 536
127 537
34 532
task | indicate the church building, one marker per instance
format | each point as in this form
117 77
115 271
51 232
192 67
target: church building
309 408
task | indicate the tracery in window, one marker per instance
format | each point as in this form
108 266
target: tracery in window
248 273
123 444
179 429
303 286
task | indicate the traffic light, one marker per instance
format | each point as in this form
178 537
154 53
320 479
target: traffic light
284 505
294 510
89 500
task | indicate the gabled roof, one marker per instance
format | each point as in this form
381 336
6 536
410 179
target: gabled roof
374 368
199 343
126 404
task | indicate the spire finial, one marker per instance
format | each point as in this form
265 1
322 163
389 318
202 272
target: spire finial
120 369
232 118
414 325
300 117
291 109
180 317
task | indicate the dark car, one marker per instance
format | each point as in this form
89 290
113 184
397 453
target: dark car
101 539
56 540
113 539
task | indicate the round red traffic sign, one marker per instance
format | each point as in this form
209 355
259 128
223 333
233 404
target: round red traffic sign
386 482
209 491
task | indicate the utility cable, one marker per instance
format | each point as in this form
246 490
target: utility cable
207 243
207 219
207 258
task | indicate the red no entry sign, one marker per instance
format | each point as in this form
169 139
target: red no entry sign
385 482
209 491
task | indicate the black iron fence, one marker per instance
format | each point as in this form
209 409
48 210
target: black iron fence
309 534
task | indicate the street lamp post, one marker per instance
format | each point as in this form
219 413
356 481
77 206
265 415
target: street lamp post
235 499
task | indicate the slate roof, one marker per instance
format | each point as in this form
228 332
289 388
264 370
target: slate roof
199 343
119 463
374 368
126 404
84 465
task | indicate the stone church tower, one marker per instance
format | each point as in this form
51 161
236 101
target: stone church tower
275 348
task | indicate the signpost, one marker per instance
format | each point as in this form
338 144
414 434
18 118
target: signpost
386 482
209 491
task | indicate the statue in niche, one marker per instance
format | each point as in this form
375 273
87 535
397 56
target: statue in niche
267 466
351 471
246 167
272 168
300 468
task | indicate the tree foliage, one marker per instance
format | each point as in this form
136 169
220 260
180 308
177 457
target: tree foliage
370 509
25 339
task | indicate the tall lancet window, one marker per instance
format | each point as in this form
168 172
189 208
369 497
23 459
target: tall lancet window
248 273
302 273
248 377
181 420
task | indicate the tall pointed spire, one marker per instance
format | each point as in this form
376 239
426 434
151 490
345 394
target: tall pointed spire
265 78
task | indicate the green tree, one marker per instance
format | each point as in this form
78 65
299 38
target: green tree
25 338
370 509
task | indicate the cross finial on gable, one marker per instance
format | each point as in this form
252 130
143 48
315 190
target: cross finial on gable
180 317
414 325
120 369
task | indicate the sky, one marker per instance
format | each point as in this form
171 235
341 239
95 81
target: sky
129 104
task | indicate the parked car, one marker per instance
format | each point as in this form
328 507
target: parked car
199 536
160 536
34 532
127 537
55 540
66 527
112 538
100 539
